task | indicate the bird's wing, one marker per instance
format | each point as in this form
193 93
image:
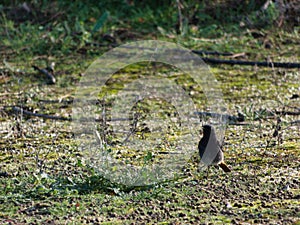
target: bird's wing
221 144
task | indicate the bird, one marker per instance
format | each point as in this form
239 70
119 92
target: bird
210 149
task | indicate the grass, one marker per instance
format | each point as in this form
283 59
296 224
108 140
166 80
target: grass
44 177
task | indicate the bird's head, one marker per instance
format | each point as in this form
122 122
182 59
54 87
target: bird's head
207 129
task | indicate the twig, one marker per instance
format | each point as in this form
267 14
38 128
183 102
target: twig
233 120
16 109
295 122
133 128
52 18
199 52
251 63
180 20
48 71
217 61
290 113
104 122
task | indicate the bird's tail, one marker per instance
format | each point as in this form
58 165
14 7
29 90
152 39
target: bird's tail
224 167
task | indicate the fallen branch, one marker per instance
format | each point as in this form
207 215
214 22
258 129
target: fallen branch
233 120
252 63
295 122
289 113
217 61
17 110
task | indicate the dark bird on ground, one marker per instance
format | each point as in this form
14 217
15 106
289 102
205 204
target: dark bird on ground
210 149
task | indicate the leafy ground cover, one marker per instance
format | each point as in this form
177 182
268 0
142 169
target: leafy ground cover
43 177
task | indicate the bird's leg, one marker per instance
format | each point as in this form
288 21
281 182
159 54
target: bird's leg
207 172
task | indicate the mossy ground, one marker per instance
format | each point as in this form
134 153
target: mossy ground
43 178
